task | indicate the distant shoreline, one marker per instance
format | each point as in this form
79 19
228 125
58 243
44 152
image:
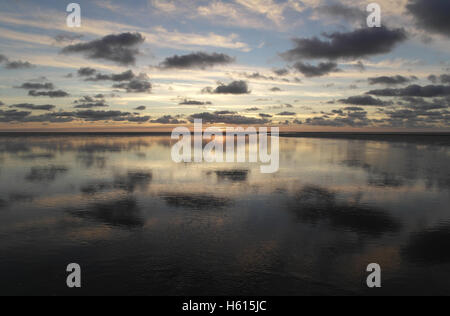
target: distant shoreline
441 138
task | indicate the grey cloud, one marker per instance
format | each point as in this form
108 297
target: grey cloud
194 102
15 64
125 76
433 78
12 65
227 119
235 87
356 44
134 119
287 114
87 115
364 100
196 60
354 117
441 78
421 104
432 15
138 119
353 108
140 108
91 105
338 112
258 76
36 86
408 114
86 72
46 107
281 72
91 115
416 118
49 118
414 91
167 119
135 86
445 78
360 115
51 94
321 69
88 99
13 115
24 117
120 48
394 80
224 112
339 121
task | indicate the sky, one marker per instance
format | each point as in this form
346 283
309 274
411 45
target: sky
144 65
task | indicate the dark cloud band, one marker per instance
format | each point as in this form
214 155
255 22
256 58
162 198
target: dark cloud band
360 43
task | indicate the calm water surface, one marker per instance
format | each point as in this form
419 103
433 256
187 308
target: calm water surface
138 223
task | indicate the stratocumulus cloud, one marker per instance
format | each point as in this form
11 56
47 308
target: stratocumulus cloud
319 70
360 43
194 102
167 119
391 80
235 87
51 94
86 71
14 65
124 76
36 86
414 91
135 86
121 48
28 106
365 100
100 103
196 60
